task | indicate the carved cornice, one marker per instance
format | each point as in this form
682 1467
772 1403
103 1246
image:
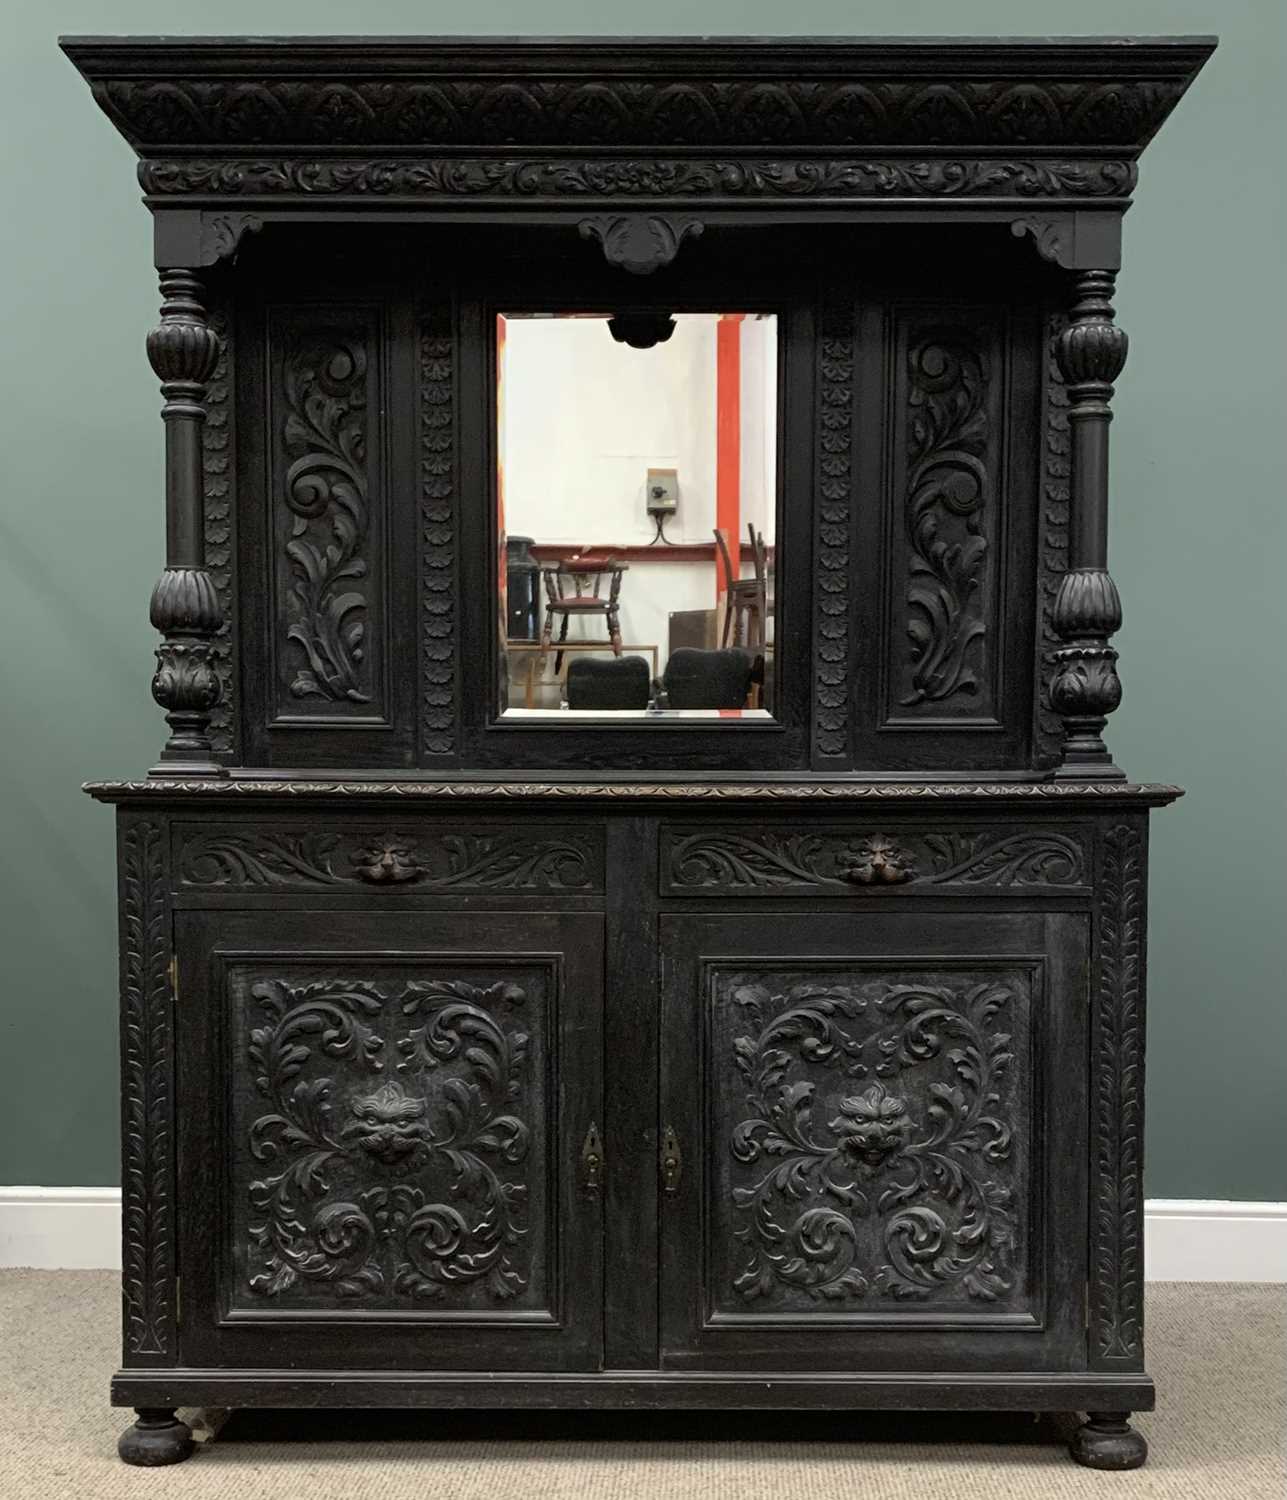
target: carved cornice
664 791
606 178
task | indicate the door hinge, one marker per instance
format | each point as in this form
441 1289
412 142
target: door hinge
672 1160
174 976
178 1300
592 1163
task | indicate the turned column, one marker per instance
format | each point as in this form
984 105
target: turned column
183 349
1087 611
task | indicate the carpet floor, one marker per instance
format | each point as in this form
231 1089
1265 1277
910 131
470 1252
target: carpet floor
1216 1353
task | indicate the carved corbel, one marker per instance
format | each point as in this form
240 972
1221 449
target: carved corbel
183 350
1087 611
222 234
640 243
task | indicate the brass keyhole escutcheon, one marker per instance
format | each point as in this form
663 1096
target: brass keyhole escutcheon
592 1160
672 1160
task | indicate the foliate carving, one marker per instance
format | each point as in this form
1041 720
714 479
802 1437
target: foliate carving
1049 234
1087 604
147 1084
184 601
877 1156
440 861
769 860
438 538
186 685
218 521
609 177
640 243
949 484
391 1163
324 492
1117 1315
833 462
221 234
692 111
1052 540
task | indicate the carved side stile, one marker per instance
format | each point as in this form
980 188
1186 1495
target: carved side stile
147 1090
833 461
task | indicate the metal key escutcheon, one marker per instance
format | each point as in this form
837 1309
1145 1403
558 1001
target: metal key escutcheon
672 1160
592 1160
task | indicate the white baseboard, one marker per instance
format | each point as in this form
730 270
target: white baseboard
1185 1239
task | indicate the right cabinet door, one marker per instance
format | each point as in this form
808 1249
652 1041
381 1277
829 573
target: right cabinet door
874 1140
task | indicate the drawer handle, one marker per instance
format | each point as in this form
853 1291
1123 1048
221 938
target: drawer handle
592 1160
672 1160
876 861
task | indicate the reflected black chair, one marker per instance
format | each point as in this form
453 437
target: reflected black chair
608 682
710 679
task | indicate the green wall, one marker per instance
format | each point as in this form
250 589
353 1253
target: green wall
1198 544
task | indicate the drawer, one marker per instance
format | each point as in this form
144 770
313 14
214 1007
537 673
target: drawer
863 859
405 853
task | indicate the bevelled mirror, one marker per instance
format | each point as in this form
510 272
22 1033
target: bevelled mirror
637 498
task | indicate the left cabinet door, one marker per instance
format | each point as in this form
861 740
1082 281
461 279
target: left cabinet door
381 1121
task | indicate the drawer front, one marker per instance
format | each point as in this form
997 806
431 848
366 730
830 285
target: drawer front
855 859
504 857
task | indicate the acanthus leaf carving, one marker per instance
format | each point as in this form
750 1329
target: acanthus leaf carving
949 486
399 1177
438 539
640 243
325 494
905 1190
833 466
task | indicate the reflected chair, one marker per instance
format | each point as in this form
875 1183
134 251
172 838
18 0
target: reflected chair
710 679
575 587
613 682
746 599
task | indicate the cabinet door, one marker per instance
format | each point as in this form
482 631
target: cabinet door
381 1124
880 1125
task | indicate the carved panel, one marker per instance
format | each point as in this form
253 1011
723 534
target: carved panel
870 1134
833 480
147 1089
389 1135
438 858
438 537
1117 1108
328 531
811 861
218 471
944 545
1052 537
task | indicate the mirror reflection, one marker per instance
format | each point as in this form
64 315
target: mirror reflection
637 498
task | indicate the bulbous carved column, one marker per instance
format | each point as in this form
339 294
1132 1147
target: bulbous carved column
1087 611
183 349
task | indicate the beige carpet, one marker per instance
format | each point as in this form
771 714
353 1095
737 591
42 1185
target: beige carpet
1217 1354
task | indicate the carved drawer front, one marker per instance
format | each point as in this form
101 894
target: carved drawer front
519 857
402 1122
851 859
867 1160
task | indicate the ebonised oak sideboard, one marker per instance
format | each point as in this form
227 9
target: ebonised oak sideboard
786 1059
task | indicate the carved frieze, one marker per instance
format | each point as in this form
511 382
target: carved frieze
872 1138
444 859
649 177
327 641
772 861
389 1137
607 110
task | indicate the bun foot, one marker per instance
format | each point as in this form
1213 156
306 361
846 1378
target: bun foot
1106 1440
158 1437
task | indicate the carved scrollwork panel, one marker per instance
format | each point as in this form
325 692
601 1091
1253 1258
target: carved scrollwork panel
870 1139
389 1134
778 861
439 858
328 521
943 667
